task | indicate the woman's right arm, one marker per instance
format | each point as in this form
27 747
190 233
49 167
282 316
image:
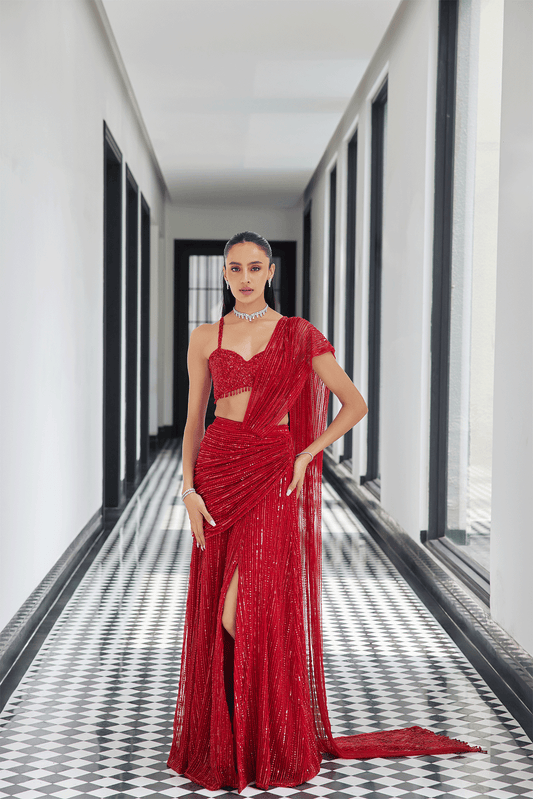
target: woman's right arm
199 390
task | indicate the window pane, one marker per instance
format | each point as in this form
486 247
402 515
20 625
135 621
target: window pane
473 294
205 289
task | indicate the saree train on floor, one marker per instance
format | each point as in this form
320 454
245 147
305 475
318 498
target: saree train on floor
254 709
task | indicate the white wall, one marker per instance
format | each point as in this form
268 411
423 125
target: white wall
512 458
223 222
59 82
407 54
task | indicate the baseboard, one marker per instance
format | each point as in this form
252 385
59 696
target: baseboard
503 664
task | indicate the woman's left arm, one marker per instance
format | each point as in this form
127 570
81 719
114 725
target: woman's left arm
352 411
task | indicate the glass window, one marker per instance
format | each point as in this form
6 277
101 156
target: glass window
205 289
473 279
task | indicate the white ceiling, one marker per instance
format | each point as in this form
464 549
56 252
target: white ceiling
240 97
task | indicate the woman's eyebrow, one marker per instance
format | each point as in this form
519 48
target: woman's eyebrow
237 263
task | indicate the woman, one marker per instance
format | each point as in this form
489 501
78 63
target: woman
251 703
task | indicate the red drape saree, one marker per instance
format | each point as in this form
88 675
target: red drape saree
254 709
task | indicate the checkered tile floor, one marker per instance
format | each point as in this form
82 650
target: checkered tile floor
92 716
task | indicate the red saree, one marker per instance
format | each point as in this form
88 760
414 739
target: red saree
254 709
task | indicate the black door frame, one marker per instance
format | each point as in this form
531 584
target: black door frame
183 248
112 322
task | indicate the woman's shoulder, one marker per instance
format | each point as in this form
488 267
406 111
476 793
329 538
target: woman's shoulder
204 338
204 330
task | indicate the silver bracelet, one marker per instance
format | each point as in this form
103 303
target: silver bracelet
305 453
189 491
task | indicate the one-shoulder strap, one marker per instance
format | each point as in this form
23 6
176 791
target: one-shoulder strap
220 328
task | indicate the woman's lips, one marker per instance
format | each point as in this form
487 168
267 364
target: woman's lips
246 291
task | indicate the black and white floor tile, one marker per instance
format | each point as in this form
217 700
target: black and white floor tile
92 716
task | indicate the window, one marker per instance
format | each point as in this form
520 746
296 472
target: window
473 276
205 289
464 286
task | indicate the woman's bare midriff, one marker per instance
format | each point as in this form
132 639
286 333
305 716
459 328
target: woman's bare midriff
234 407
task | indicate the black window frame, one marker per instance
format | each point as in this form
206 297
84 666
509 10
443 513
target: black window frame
351 242
371 477
306 261
331 266
144 301
475 576
132 324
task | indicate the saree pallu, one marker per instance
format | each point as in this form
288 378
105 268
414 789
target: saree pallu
254 709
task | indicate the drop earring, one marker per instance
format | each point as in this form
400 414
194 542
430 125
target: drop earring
269 281
227 284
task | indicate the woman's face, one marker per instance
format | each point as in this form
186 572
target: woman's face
247 271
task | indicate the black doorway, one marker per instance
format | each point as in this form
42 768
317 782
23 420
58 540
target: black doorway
111 488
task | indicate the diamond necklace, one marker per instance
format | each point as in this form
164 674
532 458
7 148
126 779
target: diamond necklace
250 316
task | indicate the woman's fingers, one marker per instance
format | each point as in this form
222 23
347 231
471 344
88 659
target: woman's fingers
200 504
292 484
297 476
200 540
207 515
197 512
198 531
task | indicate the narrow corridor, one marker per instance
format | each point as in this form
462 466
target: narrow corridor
93 714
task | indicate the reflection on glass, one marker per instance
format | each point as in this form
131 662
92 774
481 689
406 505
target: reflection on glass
383 223
205 289
473 294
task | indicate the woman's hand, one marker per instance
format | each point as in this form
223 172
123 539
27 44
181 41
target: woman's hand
300 466
197 512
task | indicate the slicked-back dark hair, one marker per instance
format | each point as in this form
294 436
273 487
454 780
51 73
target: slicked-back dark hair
228 300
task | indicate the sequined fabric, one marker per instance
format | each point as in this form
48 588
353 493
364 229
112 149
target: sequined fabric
231 373
254 709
